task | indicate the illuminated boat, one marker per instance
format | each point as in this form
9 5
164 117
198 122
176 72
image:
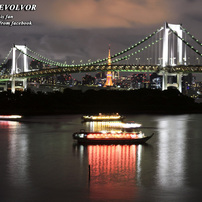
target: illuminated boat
125 125
104 117
84 137
10 117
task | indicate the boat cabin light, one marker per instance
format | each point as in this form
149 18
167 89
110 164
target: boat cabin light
125 125
11 116
113 135
105 117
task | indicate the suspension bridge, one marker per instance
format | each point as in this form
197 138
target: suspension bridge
170 50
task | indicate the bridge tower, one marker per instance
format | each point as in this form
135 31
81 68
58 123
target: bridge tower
172 52
109 73
169 54
15 69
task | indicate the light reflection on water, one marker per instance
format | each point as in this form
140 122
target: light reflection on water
171 151
110 162
17 152
112 168
37 157
18 158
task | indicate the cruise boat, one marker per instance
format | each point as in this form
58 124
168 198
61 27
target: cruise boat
125 125
103 117
84 137
10 117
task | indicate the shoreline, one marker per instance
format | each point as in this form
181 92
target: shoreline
142 101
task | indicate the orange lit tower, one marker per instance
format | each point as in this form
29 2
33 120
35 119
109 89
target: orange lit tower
109 73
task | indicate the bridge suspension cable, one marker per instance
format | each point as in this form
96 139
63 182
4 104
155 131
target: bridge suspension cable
186 43
51 62
188 33
137 44
136 52
122 52
5 59
54 63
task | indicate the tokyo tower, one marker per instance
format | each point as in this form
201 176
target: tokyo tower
109 73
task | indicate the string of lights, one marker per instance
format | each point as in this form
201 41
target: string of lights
54 63
51 62
187 43
5 59
124 51
137 44
136 52
196 40
45 62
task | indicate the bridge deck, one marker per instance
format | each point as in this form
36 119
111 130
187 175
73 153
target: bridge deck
97 68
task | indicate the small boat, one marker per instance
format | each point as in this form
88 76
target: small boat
84 137
103 117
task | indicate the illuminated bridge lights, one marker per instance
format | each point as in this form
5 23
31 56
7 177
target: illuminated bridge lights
51 62
135 68
114 67
184 69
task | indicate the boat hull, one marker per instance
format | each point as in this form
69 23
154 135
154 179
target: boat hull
86 141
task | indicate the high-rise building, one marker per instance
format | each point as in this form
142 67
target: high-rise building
155 81
139 81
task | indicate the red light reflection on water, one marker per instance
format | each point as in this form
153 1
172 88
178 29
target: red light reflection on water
113 170
9 124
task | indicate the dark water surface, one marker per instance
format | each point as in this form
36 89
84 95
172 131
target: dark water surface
39 162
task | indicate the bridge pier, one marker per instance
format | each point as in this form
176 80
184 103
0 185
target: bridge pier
14 86
179 82
165 80
25 83
3 86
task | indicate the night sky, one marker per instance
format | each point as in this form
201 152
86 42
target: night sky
66 30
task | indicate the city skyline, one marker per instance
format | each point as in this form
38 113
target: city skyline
72 30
